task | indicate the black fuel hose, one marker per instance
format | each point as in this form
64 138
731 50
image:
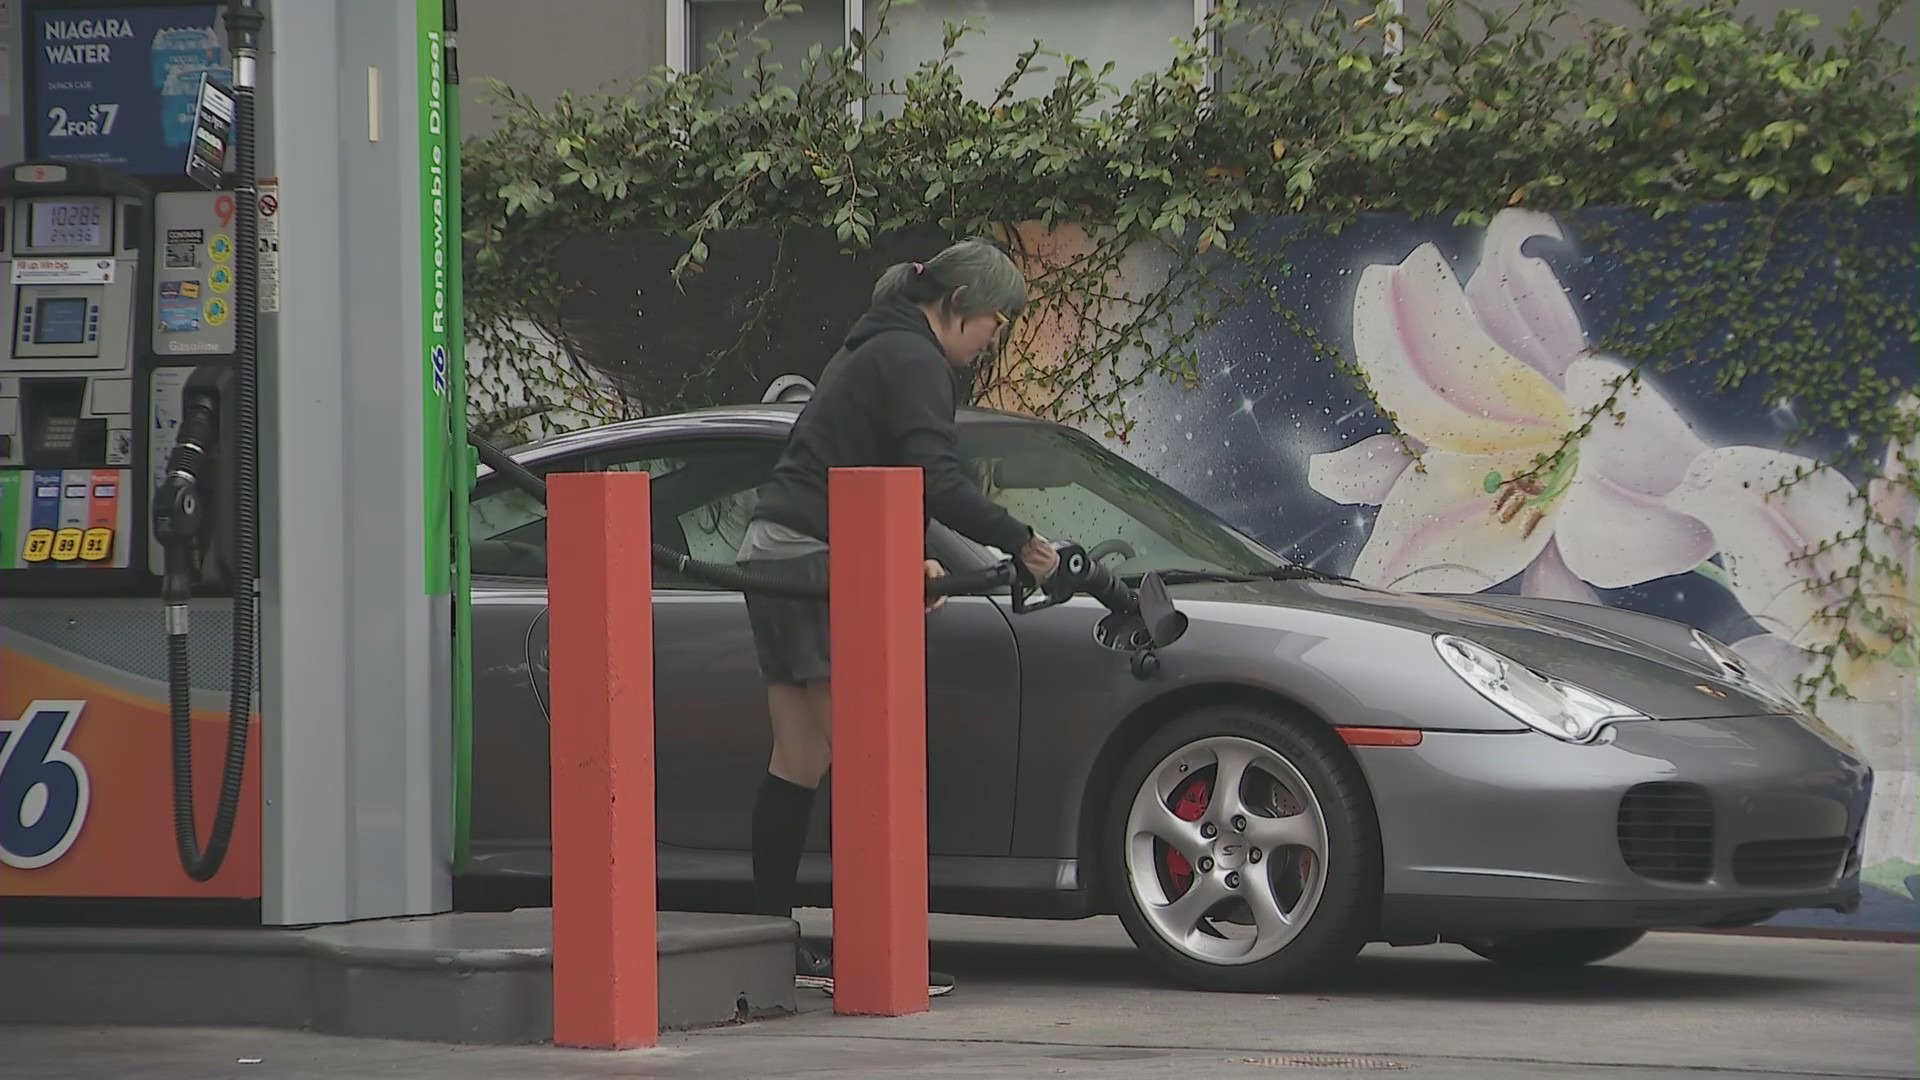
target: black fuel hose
244 21
1089 576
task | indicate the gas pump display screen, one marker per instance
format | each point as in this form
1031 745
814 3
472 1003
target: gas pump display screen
69 224
60 320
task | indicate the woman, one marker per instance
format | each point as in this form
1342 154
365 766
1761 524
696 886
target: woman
885 399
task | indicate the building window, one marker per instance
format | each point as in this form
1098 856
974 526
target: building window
788 38
1245 45
1135 35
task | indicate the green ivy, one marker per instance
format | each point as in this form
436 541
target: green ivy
1475 112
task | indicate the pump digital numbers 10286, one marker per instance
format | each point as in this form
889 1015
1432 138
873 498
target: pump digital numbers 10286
69 225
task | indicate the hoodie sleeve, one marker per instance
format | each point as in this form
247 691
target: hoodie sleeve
920 410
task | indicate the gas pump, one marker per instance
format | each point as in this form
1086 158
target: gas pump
119 303
258 481
88 409
122 493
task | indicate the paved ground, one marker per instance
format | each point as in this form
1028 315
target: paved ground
1071 1000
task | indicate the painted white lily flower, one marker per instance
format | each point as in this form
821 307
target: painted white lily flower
1764 536
1768 538
1483 380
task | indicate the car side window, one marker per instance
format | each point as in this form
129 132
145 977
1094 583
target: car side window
703 495
507 527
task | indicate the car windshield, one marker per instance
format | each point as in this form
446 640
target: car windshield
1069 487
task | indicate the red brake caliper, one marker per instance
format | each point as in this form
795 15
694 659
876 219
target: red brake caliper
1188 805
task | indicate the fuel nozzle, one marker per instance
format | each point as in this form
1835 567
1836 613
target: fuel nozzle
1077 573
179 503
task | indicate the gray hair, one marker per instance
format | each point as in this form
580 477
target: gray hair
991 280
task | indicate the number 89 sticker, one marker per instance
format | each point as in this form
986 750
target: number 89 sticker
43 787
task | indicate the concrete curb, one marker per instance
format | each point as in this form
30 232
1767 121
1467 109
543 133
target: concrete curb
484 977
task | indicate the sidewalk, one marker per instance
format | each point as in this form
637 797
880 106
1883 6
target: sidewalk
1072 1000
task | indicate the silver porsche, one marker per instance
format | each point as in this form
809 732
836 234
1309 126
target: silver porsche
1300 767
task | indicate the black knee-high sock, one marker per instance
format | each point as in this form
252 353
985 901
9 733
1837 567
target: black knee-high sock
781 814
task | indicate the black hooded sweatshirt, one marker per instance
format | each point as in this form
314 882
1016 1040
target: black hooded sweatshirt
885 399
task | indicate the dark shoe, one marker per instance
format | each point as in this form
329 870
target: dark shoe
811 971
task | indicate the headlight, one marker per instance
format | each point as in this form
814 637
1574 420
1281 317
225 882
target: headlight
1544 703
1738 670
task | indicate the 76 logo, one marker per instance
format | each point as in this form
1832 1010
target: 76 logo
43 786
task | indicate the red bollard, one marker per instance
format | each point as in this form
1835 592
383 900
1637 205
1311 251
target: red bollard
878 632
606 964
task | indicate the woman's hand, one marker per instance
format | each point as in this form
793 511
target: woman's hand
1038 556
935 570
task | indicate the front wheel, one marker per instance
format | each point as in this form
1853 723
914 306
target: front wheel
1549 949
1242 850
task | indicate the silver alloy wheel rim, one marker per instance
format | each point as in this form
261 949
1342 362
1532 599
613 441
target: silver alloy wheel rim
1178 920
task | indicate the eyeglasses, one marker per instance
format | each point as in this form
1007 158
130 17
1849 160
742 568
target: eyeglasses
1002 329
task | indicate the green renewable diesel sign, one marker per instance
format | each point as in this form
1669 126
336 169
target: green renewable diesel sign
436 264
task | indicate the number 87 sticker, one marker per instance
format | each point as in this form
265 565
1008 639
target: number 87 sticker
43 787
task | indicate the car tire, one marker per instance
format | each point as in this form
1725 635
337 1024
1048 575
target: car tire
1556 949
1338 887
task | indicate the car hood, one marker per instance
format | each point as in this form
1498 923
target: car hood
1646 662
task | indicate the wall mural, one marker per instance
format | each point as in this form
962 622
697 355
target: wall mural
1483 342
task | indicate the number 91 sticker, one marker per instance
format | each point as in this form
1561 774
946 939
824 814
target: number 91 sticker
43 787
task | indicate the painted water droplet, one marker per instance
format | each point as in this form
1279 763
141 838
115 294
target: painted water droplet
1189 436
